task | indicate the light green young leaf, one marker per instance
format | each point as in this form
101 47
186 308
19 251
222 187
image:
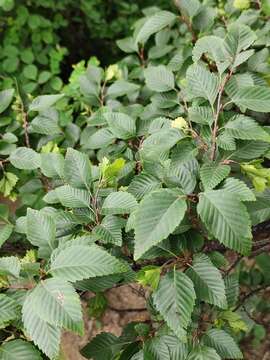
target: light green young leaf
154 24
25 159
227 219
175 300
157 217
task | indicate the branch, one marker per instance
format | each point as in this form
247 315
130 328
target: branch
251 293
219 108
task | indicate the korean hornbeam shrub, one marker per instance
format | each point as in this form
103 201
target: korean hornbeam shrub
153 171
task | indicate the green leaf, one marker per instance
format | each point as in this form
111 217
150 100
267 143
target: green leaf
25 159
9 309
44 102
46 123
41 230
189 7
121 88
19 350
8 183
43 334
239 189
175 300
57 303
5 232
143 184
212 174
77 169
121 125
227 219
10 265
154 24
71 197
149 276
159 78
30 72
120 202
81 262
178 350
203 353
5 99
102 347
245 128
101 138
232 289
202 83
157 217
52 165
223 343
256 98
208 282
109 231
259 211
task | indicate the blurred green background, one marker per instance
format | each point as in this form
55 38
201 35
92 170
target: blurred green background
40 40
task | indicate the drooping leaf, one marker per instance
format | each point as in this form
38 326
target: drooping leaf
226 218
5 232
10 265
77 169
102 347
81 262
120 202
256 98
57 303
25 159
52 165
121 125
212 174
71 197
9 309
154 24
44 102
159 78
20 350
239 189
43 334
5 99
175 300
245 128
41 230
157 217
202 83
109 231
203 353
223 343
208 282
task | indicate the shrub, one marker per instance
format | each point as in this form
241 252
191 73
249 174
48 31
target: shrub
150 171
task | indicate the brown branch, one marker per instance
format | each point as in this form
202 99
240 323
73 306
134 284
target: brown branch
251 293
219 108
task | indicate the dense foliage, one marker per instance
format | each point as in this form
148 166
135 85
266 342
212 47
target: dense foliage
153 170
